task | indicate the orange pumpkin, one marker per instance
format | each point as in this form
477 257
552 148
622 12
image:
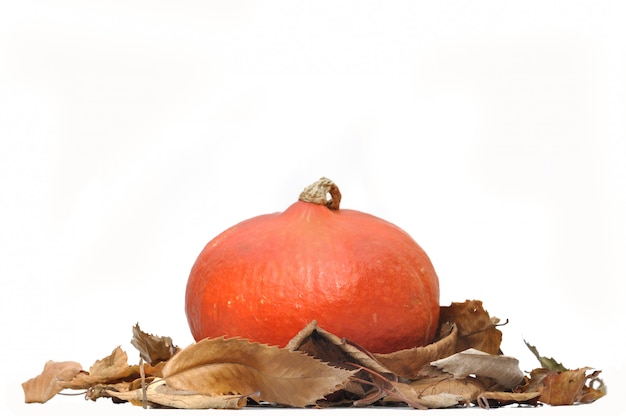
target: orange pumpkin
358 276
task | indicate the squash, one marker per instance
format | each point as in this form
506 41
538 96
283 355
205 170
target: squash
359 276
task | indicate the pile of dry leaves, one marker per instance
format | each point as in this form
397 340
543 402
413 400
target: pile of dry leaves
463 367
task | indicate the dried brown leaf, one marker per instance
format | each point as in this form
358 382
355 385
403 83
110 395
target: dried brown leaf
489 399
108 370
158 393
149 370
153 349
442 401
469 388
218 366
439 393
502 369
566 387
408 363
336 351
45 386
414 397
477 329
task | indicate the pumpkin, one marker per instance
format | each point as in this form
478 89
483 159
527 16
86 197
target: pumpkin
360 277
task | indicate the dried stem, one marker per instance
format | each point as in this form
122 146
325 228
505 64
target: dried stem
318 192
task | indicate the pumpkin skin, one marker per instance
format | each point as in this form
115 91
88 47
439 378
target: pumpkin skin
358 276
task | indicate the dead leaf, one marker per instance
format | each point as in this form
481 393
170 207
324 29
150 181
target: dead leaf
415 394
336 351
469 387
408 363
476 328
593 389
549 363
489 399
149 370
114 366
100 390
416 398
153 349
158 393
110 369
45 386
218 366
442 401
567 387
502 369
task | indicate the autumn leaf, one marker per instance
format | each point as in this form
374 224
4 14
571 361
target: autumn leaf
549 363
45 386
408 363
489 399
442 391
110 369
567 387
442 401
502 369
328 347
436 393
441 383
476 328
416 398
219 366
158 393
153 349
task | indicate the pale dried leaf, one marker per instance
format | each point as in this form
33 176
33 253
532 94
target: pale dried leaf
45 386
408 363
467 387
153 349
502 369
149 370
108 370
301 337
415 397
502 398
218 366
442 401
159 393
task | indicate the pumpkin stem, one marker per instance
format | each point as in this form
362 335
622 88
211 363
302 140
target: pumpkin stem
317 193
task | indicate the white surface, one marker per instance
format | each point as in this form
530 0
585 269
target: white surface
131 133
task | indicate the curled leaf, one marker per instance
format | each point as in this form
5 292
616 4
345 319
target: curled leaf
408 363
45 386
442 400
336 351
476 328
567 387
159 393
110 369
502 369
218 366
153 349
432 394
469 388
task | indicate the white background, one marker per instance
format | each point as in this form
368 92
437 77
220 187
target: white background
131 133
